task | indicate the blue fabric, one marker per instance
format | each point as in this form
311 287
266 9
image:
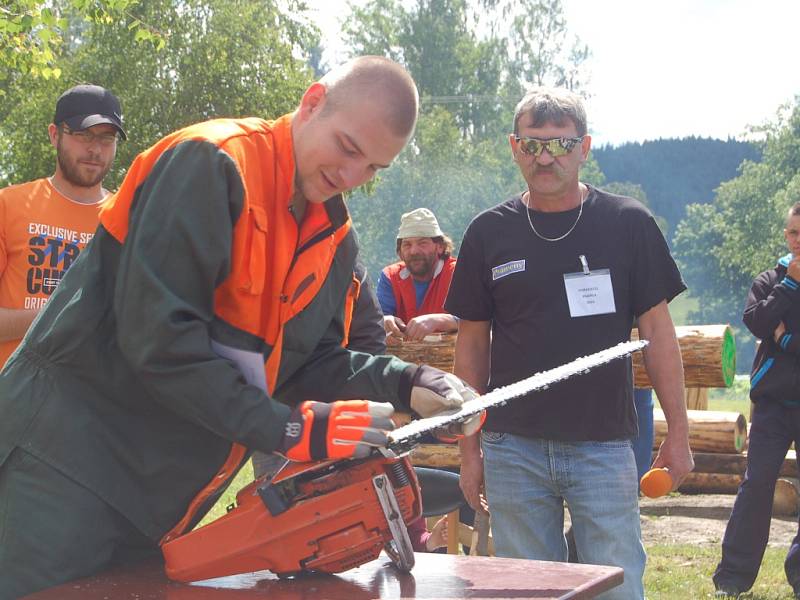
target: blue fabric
386 296
760 373
773 429
527 481
420 288
643 444
786 338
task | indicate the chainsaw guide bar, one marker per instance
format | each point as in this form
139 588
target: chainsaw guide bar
404 438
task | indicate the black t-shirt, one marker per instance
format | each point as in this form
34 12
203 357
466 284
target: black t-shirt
509 276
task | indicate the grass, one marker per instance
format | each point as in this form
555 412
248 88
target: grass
735 398
683 572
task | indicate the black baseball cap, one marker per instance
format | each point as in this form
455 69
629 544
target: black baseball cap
84 106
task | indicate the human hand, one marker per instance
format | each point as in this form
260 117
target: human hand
779 331
394 328
438 537
435 392
793 270
471 480
343 429
675 455
420 327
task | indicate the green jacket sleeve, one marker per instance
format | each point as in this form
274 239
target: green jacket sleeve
176 253
348 375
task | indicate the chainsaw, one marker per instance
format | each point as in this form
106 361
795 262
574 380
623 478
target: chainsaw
332 516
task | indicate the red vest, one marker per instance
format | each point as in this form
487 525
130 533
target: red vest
405 295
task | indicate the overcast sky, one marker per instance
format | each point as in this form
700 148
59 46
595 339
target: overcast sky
673 68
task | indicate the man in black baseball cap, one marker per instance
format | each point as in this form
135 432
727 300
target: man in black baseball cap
84 106
46 223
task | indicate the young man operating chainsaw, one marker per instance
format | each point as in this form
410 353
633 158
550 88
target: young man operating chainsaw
203 321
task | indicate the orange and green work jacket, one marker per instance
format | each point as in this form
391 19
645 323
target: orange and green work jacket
198 315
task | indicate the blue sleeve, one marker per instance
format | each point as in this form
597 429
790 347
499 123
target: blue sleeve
386 296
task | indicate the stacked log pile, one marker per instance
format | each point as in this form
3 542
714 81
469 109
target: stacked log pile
718 442
708 353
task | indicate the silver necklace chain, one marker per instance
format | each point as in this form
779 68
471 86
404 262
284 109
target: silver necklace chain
561 237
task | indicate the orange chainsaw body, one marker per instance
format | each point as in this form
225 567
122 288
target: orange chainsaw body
311 517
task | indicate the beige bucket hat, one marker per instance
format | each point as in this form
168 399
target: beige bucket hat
420 222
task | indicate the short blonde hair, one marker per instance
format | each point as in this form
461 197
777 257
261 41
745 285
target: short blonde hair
379 78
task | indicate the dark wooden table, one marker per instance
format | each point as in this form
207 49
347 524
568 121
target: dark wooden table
442 576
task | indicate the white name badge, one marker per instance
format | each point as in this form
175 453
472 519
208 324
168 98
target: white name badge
590 293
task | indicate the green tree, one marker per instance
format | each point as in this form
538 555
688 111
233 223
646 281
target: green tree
32 31
224 58
722 246
462 56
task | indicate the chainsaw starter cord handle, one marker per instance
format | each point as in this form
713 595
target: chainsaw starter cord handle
343 429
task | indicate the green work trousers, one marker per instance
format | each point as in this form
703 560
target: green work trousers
53 530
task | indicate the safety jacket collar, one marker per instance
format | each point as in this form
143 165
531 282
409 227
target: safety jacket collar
405 273
284 149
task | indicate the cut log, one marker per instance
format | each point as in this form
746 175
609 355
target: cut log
710 483
696 398
708 351
709 430
736 464
436 456
435 350
786 499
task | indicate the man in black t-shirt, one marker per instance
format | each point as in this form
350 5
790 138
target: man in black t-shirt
558 272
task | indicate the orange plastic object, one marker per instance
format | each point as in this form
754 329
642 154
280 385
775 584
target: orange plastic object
656 482
328 518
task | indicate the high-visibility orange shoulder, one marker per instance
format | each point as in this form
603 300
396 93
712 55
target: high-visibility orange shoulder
239 138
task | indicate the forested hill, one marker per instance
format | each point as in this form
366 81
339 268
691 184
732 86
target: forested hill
675 172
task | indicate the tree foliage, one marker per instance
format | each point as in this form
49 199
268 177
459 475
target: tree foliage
464 57
676 172
722 246
223 58
32 32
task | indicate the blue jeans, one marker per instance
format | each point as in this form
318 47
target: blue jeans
527 482
643 445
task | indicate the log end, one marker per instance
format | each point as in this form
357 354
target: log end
728 357
740 433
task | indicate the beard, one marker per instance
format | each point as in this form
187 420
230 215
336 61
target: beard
421 266
73 173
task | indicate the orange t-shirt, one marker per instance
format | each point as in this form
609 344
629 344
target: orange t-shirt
41 234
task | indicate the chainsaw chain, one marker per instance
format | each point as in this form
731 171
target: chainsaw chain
404 438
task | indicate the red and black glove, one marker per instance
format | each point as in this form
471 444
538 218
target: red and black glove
343 429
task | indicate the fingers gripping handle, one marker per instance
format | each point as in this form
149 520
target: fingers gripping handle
343 429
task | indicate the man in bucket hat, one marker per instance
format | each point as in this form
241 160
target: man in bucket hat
47 222
412 291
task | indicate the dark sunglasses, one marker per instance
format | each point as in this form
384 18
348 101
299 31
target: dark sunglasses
555 146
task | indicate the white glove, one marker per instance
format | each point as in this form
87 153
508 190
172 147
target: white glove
435 392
